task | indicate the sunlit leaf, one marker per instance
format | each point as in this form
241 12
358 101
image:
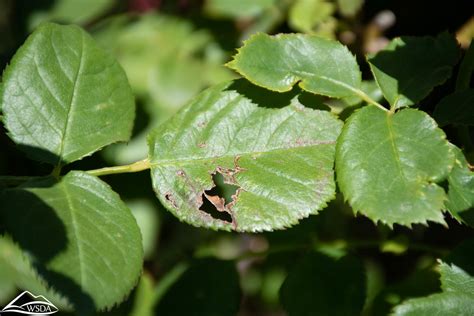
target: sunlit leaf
319 65
260 152
461 186
63 97
446 304
388 165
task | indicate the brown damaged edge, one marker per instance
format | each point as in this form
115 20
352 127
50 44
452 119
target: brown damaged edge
229 178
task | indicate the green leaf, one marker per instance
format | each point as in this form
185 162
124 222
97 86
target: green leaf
237 8
320 285
71 11
456 108
313 16
146 215
64 97
17 269
446 304
319 65
84 241
457 284
465 69
349 8
461 186
388 165
457 270
455 279
410 67
207 287
260 152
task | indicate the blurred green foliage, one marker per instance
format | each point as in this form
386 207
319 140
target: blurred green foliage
172 50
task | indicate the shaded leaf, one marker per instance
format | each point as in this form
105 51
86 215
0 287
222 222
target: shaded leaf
461 186
84 241
16 269
319 65
410 67
207 287
466 68
456 108
260 152
63 97
320 285
388 165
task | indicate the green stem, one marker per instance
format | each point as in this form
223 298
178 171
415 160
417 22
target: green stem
134 167
369 100
15 180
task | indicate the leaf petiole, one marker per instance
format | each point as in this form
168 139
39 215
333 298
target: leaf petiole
361 94
133 167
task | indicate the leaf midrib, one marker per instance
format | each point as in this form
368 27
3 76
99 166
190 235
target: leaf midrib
76 234
191 160
71 102
394 148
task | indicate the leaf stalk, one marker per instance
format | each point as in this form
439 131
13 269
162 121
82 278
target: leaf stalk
134 167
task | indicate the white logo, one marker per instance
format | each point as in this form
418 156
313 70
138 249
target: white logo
29 304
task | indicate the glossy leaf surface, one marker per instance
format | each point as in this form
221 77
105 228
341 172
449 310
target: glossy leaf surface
388 165
64 97
279 161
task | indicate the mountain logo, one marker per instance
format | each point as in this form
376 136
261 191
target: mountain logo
29 304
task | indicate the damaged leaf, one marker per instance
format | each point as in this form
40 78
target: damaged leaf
388 165
279 160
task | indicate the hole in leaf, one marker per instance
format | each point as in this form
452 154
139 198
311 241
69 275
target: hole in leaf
216 200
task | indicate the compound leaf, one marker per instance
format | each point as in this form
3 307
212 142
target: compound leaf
260 152
278 62
410 67
320 285
456 108
388 165
64 97
84 240
461 186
